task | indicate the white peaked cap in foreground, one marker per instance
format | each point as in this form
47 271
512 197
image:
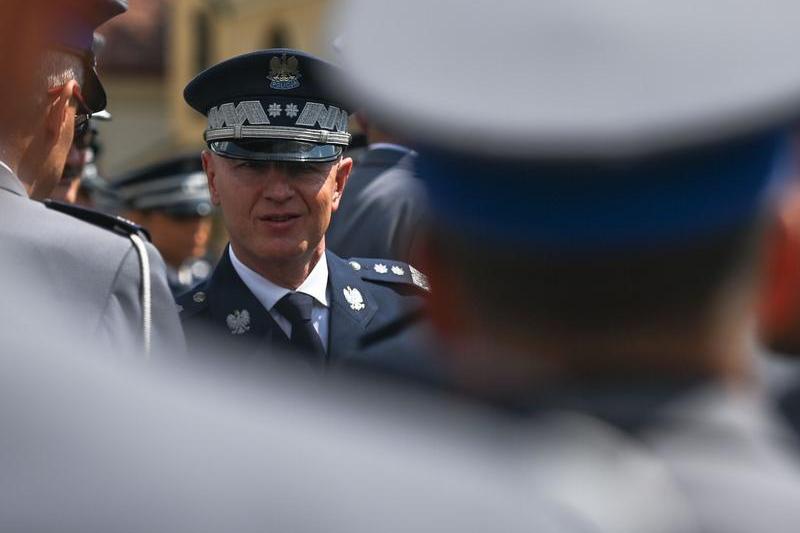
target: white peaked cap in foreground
572 78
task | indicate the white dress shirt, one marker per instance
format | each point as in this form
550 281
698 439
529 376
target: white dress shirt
268 293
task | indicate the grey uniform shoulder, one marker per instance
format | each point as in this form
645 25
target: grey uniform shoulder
389 271
115 224
194 301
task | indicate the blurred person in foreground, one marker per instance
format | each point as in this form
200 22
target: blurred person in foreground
779 317
108 284
274 163
171 200
93 445
601 180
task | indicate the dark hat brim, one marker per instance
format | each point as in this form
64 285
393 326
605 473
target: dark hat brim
93 91
269 150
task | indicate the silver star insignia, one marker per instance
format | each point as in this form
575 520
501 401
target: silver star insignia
380 268
354 298
238 322
397 270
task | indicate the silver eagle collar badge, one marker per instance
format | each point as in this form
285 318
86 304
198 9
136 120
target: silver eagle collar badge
354 298
238 322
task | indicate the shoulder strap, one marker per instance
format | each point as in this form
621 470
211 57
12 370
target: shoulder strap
137 235
116 224
387 271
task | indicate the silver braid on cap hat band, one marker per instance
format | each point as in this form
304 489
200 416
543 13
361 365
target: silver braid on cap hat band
278 132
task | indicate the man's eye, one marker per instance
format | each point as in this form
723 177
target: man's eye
255 165
300 169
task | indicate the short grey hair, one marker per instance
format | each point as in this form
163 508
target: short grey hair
59 67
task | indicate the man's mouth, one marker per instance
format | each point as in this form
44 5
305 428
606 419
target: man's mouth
279 218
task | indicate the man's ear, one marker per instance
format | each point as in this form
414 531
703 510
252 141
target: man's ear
342 175
61 111
211 172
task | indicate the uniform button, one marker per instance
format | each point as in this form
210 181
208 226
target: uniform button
199 297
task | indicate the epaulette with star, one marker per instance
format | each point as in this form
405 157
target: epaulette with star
117 224
386 271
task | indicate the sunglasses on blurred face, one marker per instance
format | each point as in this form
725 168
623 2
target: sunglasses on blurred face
83 114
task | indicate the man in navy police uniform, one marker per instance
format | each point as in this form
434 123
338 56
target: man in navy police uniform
275 167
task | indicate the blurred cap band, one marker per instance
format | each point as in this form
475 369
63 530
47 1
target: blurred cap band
178 187
575 78
583 123
272 105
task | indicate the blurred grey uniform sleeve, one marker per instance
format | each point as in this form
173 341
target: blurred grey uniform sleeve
121 324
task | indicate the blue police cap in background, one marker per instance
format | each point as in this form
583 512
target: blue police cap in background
583 122
272 105
72 27
178 187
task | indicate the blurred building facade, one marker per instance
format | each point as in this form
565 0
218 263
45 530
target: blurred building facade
159 45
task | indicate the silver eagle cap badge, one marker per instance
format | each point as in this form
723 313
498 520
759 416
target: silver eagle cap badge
354 298
239 322
284 73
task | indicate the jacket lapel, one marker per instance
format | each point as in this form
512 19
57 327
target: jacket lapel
352 308
233 308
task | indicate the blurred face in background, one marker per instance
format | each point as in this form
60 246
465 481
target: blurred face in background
67 187
177 238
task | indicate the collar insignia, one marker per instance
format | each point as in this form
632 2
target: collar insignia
354 298
398 270
380 268
284 73
239 322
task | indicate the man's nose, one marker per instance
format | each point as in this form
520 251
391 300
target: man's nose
277 184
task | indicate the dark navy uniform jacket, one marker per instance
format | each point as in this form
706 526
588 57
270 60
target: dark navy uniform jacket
382 319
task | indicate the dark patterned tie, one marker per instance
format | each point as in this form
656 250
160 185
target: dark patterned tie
296 307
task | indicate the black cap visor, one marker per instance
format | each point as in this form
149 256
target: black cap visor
93 91
276 150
